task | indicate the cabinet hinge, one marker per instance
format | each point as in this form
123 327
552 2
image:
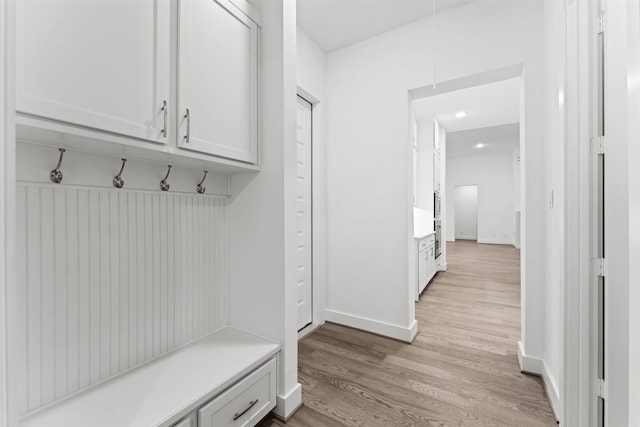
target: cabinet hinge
599 388
599 267
598 24
597 145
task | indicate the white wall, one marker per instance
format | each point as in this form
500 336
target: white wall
493 174
621 208
554 134
516 180
465 207
369 163
262 210
8 378
311 71
633 38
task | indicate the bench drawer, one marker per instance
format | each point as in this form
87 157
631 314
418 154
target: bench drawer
244 404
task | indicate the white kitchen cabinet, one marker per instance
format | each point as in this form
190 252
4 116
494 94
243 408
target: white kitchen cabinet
436 135
217 80
425 163
433 265
425 262
436 172
423 272
99 64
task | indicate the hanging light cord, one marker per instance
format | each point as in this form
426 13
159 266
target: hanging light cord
434 43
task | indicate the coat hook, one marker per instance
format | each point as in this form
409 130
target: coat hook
56 175
164 185
199 187
118 182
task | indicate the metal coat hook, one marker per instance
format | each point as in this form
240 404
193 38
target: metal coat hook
199 188
56 175
118 182
164 185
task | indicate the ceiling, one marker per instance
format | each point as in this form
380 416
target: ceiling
495 140
486 105
334 24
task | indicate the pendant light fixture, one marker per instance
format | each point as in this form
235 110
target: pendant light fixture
433 18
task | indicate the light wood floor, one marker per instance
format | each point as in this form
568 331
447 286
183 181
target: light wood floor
461 370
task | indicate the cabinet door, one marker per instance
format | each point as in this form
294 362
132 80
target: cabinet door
422 270
99 64
217 80
433 268
427 263
436 171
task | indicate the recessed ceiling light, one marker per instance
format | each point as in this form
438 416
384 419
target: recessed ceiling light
461 114
479 145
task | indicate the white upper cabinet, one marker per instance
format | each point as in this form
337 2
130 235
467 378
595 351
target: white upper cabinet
436 172
97 64
217 80
436 135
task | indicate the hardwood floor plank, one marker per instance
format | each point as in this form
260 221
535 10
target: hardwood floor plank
461 370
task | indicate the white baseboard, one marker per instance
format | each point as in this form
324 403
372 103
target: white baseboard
528 364
400 333
442 267
467 238
288 404
311 327
536 366
551 387
496 242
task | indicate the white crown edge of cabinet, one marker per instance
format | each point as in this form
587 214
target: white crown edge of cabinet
48 132
165 390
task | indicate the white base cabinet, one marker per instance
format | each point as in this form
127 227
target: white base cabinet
206 383
244 404
425 262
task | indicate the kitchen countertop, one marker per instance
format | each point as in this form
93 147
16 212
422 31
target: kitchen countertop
423 235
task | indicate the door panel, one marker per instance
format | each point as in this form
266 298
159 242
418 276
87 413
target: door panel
217 80
304 224
98 64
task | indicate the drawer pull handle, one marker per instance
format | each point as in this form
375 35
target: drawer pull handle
251 405
187 117
164 111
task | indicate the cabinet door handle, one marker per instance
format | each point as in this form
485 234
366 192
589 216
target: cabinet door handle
164 111
251 405
187 116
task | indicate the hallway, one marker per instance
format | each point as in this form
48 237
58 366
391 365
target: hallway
460 371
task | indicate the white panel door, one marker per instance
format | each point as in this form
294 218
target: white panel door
99 64
217 80
304 231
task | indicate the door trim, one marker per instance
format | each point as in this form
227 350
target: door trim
318 215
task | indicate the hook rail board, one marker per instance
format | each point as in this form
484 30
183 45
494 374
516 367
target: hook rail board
108 280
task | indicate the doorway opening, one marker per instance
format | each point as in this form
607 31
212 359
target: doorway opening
304 205
465 202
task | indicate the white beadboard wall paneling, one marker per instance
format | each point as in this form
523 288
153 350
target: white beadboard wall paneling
109 279
83 168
